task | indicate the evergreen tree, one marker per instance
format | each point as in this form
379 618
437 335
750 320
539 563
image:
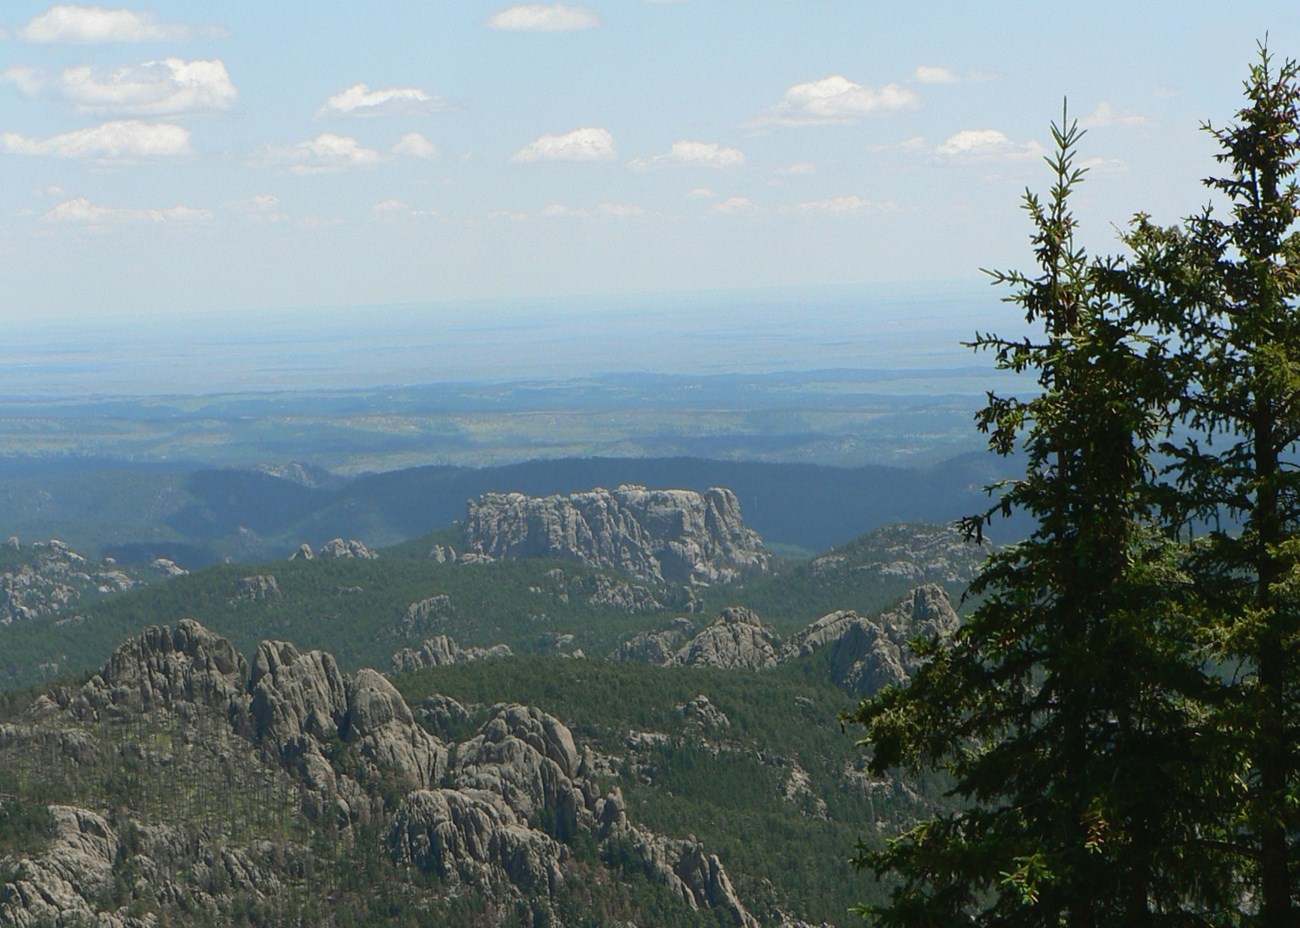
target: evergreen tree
1225 292
1067 706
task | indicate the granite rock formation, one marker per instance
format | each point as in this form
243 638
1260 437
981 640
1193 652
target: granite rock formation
661 535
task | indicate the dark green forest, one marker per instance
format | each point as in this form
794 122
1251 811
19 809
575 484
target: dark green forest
1121 712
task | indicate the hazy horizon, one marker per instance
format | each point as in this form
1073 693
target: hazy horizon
915 327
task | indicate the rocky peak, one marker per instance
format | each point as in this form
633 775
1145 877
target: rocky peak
164 667
662 535
737 638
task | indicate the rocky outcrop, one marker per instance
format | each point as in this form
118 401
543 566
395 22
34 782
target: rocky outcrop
337 547
600 591
473 839
660 535
423 615
57 886
867 654
441 651
303 708
655 647
496 813
255 589
168 668
910 553
167 567
736 639
53 579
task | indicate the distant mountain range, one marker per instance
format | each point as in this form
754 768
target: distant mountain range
139 513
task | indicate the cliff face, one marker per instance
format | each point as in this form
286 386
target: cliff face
676 536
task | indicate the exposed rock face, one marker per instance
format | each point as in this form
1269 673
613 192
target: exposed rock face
167 668
661 535
426 613
443 554
867 654
441 651
55 580
655 647
736 639
167 567
55 887
919 554
302 705
495 819
255 589
304 553
337 547
601 591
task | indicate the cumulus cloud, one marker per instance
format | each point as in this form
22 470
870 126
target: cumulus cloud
834 99
545 17
1106 116
586 144
82 211
28 80
414 145
703 154
121 140
987 144
846 205
85 25
360 100
155 88
326 154
701 193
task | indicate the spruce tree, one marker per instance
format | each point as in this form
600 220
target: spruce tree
1225 292
1067 707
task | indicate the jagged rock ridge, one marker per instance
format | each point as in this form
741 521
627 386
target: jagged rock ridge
864 654
491 814
662 535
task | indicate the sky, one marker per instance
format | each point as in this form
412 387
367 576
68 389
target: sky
185 158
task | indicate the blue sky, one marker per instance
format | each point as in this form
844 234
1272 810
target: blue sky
192 157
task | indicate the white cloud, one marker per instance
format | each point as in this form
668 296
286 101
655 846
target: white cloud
91 24
987 144
701 193
29 81
834 99
932 74
113 141
545 17
1106 116
414 145
82 211
616 210
734 205
326 154
704 154
360 100
936 74
264 207
799 168
390 206
585 144
155 88
846 205
620 210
